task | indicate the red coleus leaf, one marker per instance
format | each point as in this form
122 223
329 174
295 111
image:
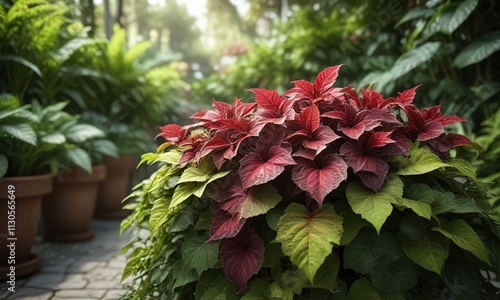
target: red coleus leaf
406 97
242 257
326 79
272 107
257 169
309 119
224 112
173 133
303 90
318 178
225 225
320 138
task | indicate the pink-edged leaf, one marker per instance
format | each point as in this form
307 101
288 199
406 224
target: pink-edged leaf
334 114
354 132
255 170
431 130
303 90
272 107
225 225
309 118
379 139
306 153
326 79
319 179
267 99
456 140
358 159
242 257
371 99
446 120
251 202
406 97
320 138
374 181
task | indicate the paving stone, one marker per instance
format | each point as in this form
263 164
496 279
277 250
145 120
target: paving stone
32 294
78 293
84 266
115 294
102 274
119 264
104 284
44 280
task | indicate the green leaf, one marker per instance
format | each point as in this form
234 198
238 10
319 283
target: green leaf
213 286
363 289
258 290
105 147
181 220
159 214
463 167
4 164
421 161
443 202
78 157
198 173
430 252
326 277
55 138
23 132
465 237
395 277
307 237
480 49
416 13
352 223
449 21
375 207
186 190
279 291
199 255
181 275
421 192
83 132
414 58
22 61
260 200
420 208
273 216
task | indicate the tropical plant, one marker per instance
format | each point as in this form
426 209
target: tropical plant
46 140
319 193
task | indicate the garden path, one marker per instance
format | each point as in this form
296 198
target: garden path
85 270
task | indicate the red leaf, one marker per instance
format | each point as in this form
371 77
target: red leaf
374 181
309 118
303 90
456 140
173 133
242 257
273 108
406 97
432 129
326 79
354 132
379 139
255 169
225 225
320 138
358 159
319 179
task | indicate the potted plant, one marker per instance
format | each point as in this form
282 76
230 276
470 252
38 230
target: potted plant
29 156
320 193
68 210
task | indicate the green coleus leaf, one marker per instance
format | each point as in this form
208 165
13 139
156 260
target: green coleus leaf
187 189
199 255
326 277
159 214
182 275
463 167
214 286
430 252
259 200
307 237
480 49
363 289
258 290
198 173
375 207
420 208
395 277
4 164
465 237
280 291
352 224
421 161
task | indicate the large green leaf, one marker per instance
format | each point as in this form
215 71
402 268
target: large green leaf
198 173
78 157
83 132
395 277
420 208
465 237
352 224
307 237
54 138
326 277
187 189
363 289
21 60
414 58
105 147
449 20
159 214
375 207
416 13
478 50
199 255
429 252
4 164
258 290
23 132
421 161
260 200
214 286
67 50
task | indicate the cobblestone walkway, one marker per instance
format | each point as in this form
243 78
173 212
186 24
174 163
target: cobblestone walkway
85 270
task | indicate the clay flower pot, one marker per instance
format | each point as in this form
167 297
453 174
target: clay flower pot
67 211
27 192
114 188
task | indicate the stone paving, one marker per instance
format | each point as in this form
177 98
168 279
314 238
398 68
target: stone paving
84 270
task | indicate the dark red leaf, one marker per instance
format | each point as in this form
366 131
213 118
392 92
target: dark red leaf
309 118
173 133
406 97
374 181
456 140
432 129
242 257
225 225
379 139
303 90
318 179
326 79
320 138
272 107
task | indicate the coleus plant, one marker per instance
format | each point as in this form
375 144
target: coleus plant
319 193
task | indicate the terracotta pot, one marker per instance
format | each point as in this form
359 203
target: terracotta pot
67 211
114 188
28 192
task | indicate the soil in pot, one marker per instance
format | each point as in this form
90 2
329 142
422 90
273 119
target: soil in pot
68 210
114 188
20 202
